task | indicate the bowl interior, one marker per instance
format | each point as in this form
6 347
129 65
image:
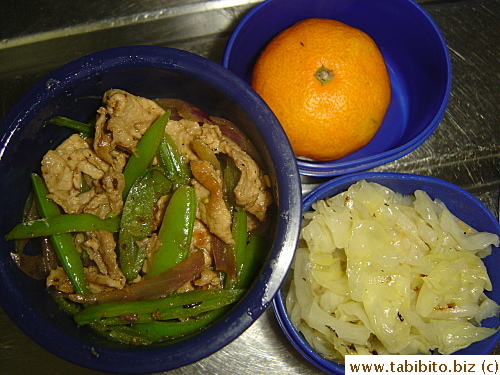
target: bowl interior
75 91
414 51
461 203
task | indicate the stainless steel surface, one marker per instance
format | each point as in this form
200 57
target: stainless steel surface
36 37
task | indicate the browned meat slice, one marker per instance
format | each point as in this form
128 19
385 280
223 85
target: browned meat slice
212 208
251 191
121 122
100 246
63 170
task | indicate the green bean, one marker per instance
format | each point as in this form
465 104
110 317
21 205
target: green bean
145 152
62 223
64 304
161 285
231 175
160 331
176 168
123 334
85 130
162 185
239 231
63 243
136 224
170 307
204 152
256 252
175 232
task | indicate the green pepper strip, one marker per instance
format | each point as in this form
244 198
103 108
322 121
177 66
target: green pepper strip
170 307
239 231
62 223
172 161
136 224
176 231
64 304
145 152
231 175
162 186
161 331
85 130
257 250
123 334
63 243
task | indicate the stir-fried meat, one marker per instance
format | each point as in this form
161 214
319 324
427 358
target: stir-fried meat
159 211
98 282
121 122
202 239
87 177
107 195
208 279
213 210
63 170
59 280
251 191
148 245
183 132
100 246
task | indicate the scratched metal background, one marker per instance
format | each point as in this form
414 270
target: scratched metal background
36 37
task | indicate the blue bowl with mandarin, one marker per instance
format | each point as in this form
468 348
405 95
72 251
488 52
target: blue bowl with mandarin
414 51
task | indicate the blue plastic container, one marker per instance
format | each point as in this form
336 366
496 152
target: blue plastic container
75 91
461 203
413 48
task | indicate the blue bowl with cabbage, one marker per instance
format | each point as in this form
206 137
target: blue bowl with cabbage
75 91
355 196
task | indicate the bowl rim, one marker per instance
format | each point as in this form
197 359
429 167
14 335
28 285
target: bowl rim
335 167
321 192
253 304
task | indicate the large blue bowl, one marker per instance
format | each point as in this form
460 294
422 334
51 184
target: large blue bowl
461 203
413 48
74 90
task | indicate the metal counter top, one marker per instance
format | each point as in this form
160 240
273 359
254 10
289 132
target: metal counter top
36 38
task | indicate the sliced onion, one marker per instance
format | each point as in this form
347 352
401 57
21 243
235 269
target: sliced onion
184 110
224 258
156 287
229 130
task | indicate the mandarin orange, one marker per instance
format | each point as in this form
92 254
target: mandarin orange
327 83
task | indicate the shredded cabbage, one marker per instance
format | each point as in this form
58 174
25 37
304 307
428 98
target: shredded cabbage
381 273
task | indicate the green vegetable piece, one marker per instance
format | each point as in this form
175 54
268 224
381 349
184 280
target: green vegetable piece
63 243
231 175
176 231
170 307
172 161
239 231
146 150
62 223
162 185
123 334
204 152
257 251
85 130
163 331
64 304
136 224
